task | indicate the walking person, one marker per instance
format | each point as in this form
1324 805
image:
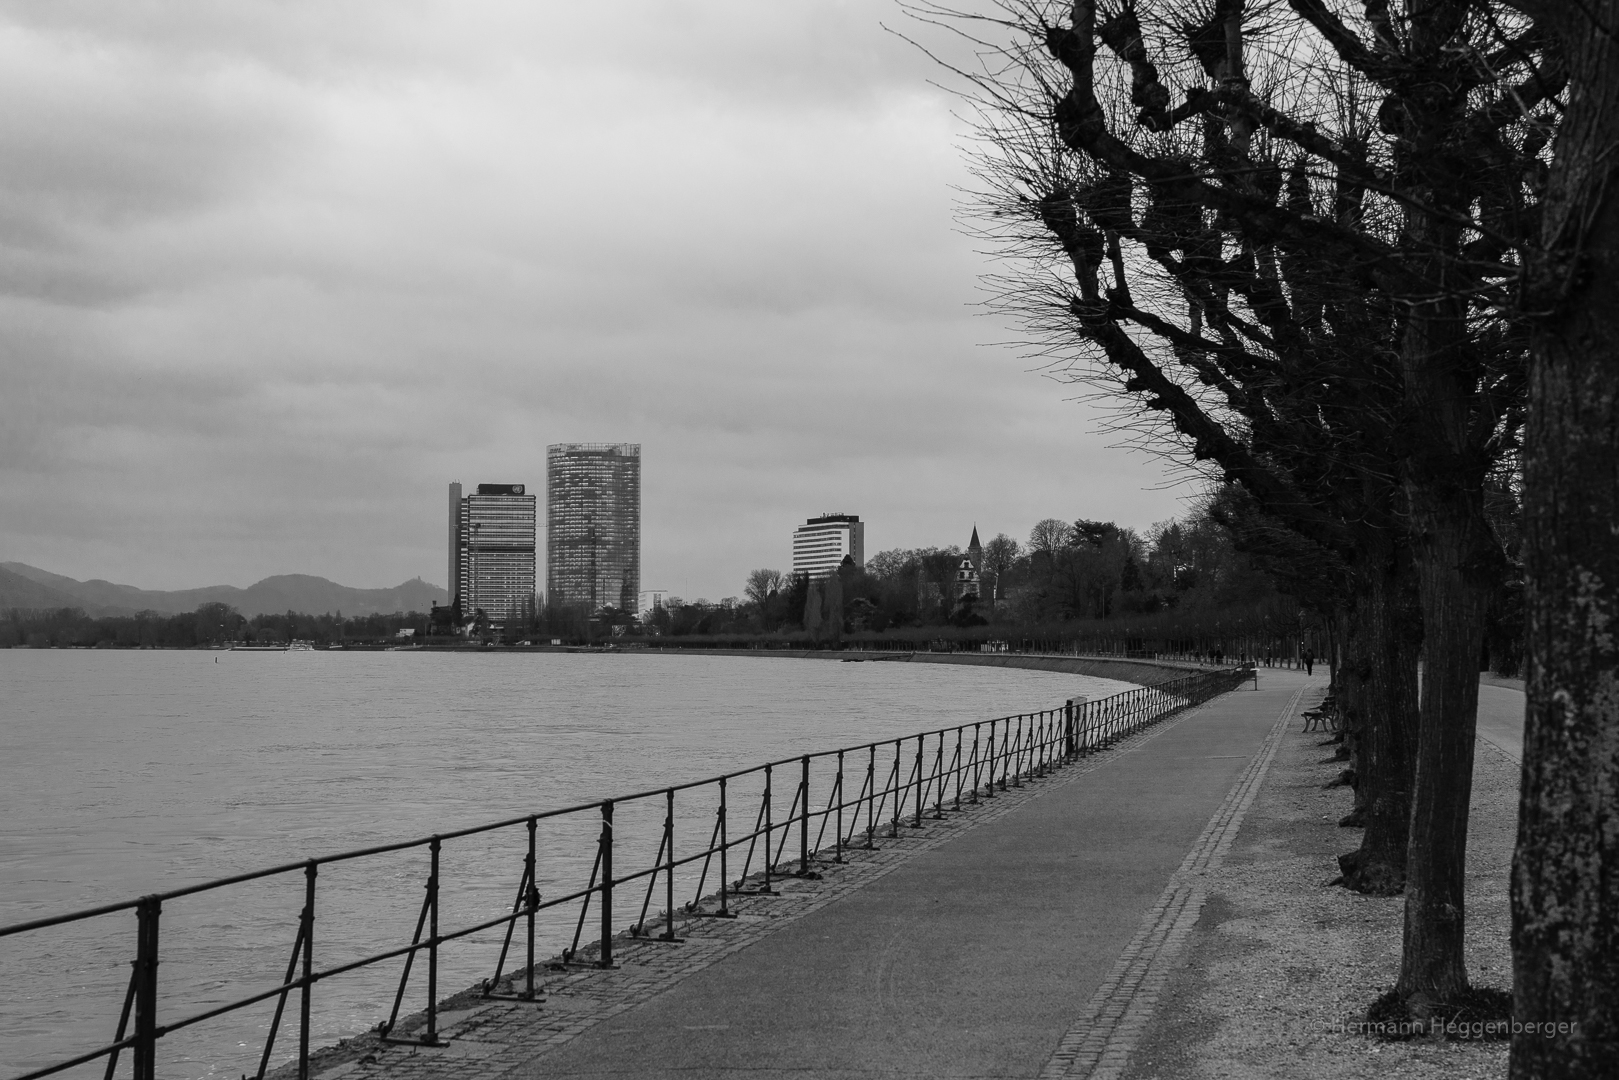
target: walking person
1309 660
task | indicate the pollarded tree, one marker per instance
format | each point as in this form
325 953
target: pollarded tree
1297 234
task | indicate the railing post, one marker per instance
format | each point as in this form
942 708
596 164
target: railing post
978 765
989 788
307 989
938 780
607 885
725 884
431 1038
837 840
803 820
531 901
1013 766
958 768
669 868
769 825
1070 744
899 790
921 749
871 797
147 913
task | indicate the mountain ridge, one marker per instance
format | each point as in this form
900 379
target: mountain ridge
24 586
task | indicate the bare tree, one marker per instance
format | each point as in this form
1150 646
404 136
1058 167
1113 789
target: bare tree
1000 555
1050 535
762 584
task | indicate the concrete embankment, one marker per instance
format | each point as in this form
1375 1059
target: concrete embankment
1140 672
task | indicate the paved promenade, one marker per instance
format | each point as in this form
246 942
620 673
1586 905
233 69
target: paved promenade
1500 716
1024 937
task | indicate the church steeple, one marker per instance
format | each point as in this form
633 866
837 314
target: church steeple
975 550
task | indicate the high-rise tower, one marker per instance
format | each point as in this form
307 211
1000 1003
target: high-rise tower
452 580
593 524
821 543
492 534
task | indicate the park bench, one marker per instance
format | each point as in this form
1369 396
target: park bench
1324 717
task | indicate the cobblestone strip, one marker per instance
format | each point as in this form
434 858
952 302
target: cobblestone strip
488 1039
1099 1046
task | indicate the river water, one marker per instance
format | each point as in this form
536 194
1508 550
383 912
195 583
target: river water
125 773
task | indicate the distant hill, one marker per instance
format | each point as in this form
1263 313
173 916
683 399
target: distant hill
22 585
20 591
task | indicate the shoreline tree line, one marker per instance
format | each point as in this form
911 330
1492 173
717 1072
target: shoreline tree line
213 624
1181 585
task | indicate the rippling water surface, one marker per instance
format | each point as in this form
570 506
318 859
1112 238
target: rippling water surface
126 773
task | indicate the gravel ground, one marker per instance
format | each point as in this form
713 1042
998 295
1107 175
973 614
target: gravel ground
1280 961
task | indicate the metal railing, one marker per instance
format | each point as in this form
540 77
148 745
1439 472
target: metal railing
897 783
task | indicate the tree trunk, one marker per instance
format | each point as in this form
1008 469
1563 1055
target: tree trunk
1565 876
1453 602
1385 736
1455 556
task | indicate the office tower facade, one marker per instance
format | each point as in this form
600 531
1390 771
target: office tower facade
492 550
820 544
452 580
593 524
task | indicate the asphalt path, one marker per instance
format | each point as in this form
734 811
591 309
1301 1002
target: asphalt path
972 958
1500 718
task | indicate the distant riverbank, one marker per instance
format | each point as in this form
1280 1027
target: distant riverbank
1122 669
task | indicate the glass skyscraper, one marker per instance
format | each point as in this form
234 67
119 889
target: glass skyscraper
593 524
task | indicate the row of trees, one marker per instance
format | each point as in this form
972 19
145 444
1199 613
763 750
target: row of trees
1357 262
210 624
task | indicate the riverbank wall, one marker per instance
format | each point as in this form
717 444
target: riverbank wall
1139 672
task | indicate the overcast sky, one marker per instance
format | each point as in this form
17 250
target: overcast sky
273 273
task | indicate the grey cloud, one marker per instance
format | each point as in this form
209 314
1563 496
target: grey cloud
271 274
